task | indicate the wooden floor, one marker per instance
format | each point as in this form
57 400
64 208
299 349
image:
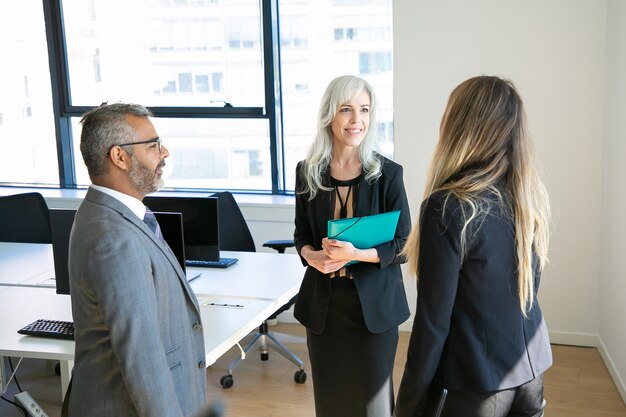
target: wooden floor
577 385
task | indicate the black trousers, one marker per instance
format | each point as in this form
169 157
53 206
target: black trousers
524 401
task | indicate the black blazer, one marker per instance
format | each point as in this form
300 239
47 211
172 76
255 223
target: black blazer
380 286
469 332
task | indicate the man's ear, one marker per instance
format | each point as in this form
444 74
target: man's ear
120 158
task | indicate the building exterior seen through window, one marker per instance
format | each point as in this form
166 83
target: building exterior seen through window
173 55
26 121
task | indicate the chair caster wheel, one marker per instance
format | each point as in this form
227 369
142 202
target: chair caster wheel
226 381
265 356
299 376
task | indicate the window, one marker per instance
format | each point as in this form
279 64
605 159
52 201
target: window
374 62
27 131
173 57
363 34
143 50
184 81
344 37
216 82
202 83
293 32
235 105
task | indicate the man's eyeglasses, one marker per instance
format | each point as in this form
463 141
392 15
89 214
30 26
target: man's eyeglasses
156 140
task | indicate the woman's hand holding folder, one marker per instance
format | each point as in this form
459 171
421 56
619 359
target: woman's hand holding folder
320 261
347 252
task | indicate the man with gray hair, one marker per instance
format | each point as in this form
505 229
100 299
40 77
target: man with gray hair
139 337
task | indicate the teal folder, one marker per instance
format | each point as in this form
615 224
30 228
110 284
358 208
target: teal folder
367 231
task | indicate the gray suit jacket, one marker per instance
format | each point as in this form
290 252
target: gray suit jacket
139 341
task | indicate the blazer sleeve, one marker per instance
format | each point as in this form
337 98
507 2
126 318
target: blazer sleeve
127 299
303 234
395 199
439 265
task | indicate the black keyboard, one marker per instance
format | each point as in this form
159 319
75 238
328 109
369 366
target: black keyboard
49 328
222 263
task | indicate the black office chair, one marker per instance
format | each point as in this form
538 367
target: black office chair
24 218
238 238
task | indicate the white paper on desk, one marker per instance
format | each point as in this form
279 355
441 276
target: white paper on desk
223 302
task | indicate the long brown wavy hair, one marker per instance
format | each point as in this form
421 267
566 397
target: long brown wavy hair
483 143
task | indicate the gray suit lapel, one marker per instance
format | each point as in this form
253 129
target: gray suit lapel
104 199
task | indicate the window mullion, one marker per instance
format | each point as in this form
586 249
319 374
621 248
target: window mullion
60 95
273 98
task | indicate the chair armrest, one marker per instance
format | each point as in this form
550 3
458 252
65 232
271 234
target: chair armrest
279 245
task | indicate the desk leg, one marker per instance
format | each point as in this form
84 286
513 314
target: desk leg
4 373
66 374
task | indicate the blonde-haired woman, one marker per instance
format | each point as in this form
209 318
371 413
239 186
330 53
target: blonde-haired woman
351 312
478 252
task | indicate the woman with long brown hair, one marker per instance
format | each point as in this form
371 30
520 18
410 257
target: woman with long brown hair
478 252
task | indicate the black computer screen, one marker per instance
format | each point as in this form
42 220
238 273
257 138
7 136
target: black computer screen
171 225
200 223
61 221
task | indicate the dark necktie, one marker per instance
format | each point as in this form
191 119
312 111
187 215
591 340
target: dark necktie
150 219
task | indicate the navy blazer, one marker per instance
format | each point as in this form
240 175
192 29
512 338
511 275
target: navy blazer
380 286
469 332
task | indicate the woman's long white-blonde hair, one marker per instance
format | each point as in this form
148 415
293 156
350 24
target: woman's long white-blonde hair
483 142
339 91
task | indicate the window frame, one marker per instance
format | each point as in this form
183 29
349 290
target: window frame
63 110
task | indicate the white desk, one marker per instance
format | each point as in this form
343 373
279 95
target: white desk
26 263
261 282
270 276
20 306
226 326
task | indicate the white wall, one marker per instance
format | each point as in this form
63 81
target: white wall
554 51
273 222
568 59
613 248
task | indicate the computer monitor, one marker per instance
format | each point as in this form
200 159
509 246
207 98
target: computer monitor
171 225
61 221
200 223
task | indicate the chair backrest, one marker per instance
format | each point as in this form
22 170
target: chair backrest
234 232
24 218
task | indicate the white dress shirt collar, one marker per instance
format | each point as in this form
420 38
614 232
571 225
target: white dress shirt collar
132 203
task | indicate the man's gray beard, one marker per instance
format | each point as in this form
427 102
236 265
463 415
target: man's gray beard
144 180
